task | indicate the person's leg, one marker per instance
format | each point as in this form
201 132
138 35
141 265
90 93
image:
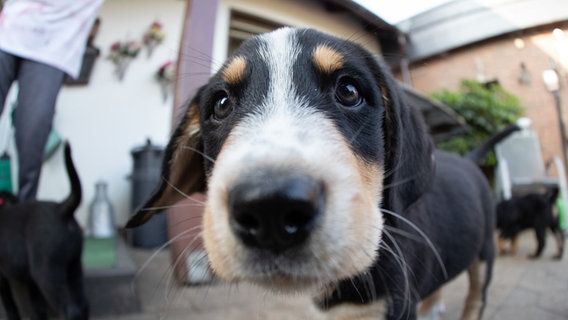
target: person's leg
38 86
8 67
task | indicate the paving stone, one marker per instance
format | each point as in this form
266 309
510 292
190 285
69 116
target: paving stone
522 289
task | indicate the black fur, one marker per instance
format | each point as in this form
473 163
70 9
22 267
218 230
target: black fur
438 208
40 255
530 211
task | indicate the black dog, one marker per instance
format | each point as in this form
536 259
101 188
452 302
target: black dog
530 211
40 254
320 177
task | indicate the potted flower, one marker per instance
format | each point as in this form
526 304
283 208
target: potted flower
165 77
121 53
153 37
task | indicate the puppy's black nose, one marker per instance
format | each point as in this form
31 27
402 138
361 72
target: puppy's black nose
275 213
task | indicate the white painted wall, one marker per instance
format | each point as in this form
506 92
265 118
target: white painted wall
107 118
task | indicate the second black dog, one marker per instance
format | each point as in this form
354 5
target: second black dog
531 211
40 254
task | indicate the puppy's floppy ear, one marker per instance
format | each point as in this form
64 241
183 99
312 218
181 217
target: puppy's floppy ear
409 149
182 167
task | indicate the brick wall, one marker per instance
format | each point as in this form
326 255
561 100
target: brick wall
501 60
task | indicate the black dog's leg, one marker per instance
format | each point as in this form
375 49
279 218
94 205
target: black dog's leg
52 282
58 296
559 236
76 287
540 232
39 309
10 306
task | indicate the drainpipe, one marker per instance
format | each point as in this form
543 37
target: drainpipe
404 61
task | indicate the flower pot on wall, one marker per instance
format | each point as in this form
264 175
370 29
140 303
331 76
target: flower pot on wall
153 37
121 54
166 77
120 67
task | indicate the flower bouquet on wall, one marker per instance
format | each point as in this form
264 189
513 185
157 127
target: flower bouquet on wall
153 37
121 54
166 77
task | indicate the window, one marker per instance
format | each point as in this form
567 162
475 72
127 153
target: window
244 26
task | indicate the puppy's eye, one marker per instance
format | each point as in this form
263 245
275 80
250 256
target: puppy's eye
347 93
222 107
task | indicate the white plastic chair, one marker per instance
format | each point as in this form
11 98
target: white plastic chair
521 169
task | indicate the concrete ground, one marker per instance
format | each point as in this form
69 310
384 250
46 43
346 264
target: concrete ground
521 289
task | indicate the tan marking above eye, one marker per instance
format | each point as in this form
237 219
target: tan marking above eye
234 71
327 59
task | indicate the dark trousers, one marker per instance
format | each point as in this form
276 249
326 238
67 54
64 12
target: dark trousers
38 86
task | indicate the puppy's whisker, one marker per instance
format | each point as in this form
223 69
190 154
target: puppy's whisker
170 288
178 190
403 233
356 288
400 181
191 234
180 205
399 258
177 262
407 274
187 75
398 164
204 56
198 262
145 265
203 61
157 251
200 60
423 235
358 132
192 218
369 285
199 152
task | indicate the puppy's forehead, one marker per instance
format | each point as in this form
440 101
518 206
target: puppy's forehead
304 46
283 50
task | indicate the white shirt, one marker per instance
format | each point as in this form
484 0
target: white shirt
53 32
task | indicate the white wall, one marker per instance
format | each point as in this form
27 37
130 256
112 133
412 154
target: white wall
105 119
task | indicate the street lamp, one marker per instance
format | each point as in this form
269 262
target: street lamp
550 78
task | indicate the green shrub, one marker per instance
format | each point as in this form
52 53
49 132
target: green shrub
486 108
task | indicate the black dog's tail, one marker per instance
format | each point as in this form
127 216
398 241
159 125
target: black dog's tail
483 149
69 205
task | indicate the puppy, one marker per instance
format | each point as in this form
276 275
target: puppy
320 177
40 255
530 211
